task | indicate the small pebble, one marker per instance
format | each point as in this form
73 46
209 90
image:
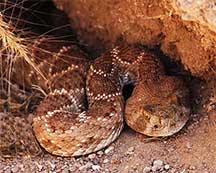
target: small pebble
166 166
110 148
83 167
72 168
8 170
100 153
65 170
87 165
174 171
188 145
96 167
14 169
40 167
130 151
154 168
157 165
158 162
21 166
7 167
106 161
52 165
92 156
46 171
171 149
192 167
146 169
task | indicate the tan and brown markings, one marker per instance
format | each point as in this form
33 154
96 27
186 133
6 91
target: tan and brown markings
68 124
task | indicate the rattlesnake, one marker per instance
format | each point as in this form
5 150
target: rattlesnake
84 110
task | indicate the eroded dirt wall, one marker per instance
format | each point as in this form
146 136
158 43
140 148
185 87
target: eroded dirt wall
184 30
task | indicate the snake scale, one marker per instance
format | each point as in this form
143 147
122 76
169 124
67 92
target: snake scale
84 110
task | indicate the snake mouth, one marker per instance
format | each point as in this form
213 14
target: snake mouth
168 130
158 126
161 123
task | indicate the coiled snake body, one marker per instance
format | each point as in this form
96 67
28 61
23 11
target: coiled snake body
67 123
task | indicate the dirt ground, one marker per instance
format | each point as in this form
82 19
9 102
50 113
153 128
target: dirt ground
192 150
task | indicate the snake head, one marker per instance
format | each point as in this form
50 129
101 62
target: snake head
164 120
158 114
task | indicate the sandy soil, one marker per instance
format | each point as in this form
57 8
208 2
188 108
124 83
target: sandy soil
192 150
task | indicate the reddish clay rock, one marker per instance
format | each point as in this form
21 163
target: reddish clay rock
184 30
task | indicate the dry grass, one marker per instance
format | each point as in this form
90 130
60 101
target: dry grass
13 46
16 45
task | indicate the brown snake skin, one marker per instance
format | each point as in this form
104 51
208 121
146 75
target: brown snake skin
67 123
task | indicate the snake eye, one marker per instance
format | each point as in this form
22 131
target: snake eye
155 126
